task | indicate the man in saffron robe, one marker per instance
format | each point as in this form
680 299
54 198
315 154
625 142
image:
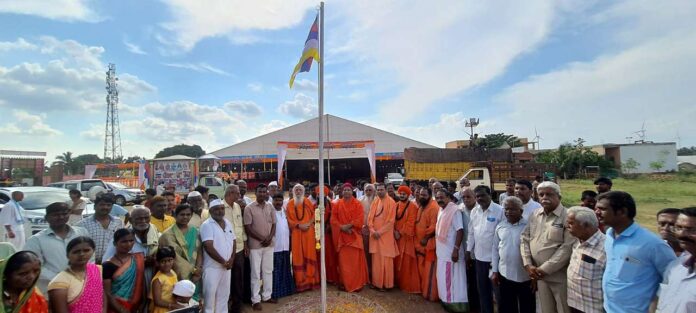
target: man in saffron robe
330 254
383 248
300 212
405 263
425 243
347 219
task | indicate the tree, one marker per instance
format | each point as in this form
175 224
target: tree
193 151
657 165
687 151
571 159
493 141
630 165
69 166
132 159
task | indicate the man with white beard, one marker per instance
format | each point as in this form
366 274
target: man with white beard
366 201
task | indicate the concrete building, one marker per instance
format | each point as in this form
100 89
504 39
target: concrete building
256 159
649 157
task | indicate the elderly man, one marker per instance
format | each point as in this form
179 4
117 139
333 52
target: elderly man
463 184
102 226
233 214
380 222
300 212
678 289
636 258
366 201
346 221
405 234
523 190
451 266
272 189
546 249
436 186
12 220
49 244
484 218
426 220
204 192
260 227
467 205
587 262
219 244
516 294
666 221
159 217
198 206
146 236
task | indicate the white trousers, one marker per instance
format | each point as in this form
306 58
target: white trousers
261 270
19 239
216 289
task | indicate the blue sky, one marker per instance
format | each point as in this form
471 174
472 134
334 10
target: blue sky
215 72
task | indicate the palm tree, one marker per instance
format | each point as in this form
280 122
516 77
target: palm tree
68 163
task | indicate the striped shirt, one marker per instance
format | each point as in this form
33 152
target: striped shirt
103 237
585 272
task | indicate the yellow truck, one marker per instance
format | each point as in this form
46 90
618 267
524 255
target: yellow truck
482 167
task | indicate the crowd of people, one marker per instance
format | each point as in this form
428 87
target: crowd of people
526 253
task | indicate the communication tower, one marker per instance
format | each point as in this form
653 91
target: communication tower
112 133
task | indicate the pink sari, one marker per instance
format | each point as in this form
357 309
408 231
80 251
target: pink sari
92 297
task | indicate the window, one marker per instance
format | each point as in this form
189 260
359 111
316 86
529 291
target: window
70 186
210 181
475 175
88 184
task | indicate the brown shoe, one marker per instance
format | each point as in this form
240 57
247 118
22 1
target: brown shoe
271 300
257 306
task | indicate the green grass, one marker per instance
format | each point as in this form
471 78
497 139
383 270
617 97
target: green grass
652 193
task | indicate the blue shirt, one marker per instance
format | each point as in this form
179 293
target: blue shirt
636 260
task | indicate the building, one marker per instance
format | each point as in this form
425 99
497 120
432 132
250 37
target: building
349 145
641 158
24 168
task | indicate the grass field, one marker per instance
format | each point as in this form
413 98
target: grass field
652 193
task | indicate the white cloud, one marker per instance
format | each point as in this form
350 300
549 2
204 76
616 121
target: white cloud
193 21
432 54
64 10
307 85
187 111
19 44
607 99
302 107
255 87
133 48
246 108
95 132
24 123
201 67
272 126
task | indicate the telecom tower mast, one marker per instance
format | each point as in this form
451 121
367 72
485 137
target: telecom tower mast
112 133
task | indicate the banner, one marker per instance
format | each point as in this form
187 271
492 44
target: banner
370 149
89 171
282 153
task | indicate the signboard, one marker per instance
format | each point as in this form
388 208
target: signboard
177 173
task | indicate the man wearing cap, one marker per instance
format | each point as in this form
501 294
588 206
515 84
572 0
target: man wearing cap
219 244
183 293
405 263
346 222
49 244
198 205
272 189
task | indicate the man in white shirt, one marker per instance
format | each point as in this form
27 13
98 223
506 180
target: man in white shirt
12 220
283 282
219 243
678 288
242 191
467 206
484 218
524 191
509 275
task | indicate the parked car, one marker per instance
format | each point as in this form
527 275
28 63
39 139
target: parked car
125 194
36 199
394 179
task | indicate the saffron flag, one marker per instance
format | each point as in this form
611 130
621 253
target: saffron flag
310 52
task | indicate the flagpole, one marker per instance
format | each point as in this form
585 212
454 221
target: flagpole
321 156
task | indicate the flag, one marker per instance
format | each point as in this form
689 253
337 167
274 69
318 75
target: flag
310 52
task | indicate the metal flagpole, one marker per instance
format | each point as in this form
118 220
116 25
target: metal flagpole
321 156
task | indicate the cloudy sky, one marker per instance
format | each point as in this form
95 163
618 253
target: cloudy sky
216 72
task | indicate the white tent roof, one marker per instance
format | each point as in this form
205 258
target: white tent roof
335 129
174 157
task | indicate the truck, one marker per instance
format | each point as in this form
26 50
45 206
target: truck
489 167
216 185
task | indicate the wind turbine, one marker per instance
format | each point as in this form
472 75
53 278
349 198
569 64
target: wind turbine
537 139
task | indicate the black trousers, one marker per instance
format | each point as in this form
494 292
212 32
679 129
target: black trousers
247 280
516 297
472 289
485 286
237 283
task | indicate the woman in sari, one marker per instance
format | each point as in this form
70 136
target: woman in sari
123 275
20 273
79 288
187 245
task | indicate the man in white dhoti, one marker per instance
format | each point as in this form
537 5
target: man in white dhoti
451 265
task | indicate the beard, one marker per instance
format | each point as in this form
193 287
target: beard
298 200
423 202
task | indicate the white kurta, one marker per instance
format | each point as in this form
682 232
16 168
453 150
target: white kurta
451 276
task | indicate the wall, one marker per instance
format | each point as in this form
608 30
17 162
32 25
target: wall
647 153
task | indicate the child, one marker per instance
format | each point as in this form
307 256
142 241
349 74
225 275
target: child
163 282
588 199
183 291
